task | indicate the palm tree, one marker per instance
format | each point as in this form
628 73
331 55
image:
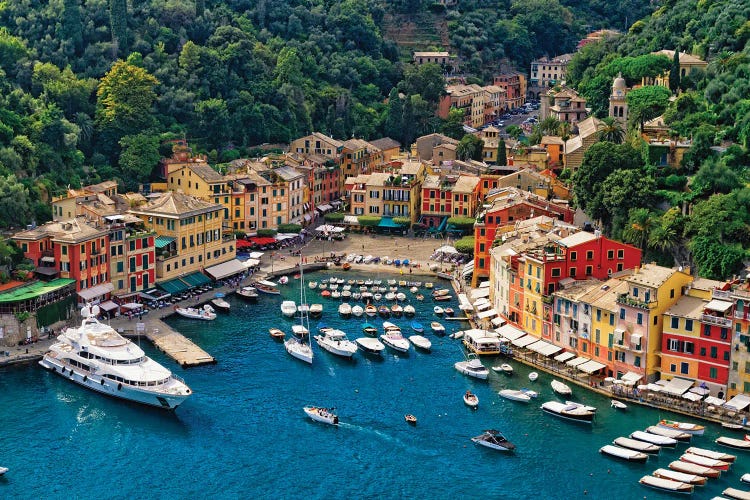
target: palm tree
638 229
610 130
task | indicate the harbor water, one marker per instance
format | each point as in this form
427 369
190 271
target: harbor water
243 433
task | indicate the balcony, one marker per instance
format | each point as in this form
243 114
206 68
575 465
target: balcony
548 299
721 294
627 300
740 314
709 319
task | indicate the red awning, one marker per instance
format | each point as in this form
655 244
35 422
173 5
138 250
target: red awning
243 244
259 240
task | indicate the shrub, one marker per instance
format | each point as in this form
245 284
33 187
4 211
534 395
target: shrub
369 220
289 228
334 217
267 233
465 245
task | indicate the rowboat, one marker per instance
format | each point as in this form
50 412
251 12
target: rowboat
738 444
670 433
654 439
410 419
718 455
636 445
666 484
624 453
735 493
276 333
688 427
437 327
680 476
705 461
690 468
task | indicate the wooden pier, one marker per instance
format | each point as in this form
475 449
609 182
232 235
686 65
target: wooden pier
177 346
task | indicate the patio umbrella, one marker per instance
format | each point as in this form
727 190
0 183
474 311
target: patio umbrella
446 249
702 391
609 379
643 387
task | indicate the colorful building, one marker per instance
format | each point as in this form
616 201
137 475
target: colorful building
739 369
445 196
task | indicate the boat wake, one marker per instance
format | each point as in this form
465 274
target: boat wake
390 439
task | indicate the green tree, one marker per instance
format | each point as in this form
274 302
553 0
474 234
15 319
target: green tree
454 124
71 24
470 148
118 22
426 80
674 72
514 131
647 102
15 205
715 177
138 158
641 223
502 158
611 130
12 49
716 260
623 191
394 116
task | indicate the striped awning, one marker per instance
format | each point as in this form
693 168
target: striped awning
562 358
162 241
591 366
174 286
524 341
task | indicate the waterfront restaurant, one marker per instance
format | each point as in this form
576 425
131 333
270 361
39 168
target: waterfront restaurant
482 342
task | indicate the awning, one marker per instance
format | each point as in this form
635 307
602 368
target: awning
631 377
718 305
463 299
636 338
478 293
510 332
524 341
328 228
96 291
387 222
162 241
577 361
48 259
174 286
131 306
108 305
248 263
307 218
739 402
483 306
544 348
195 279
711 400
497 321
678 386
484 284
323 208
225 269
262 240
591 366
46 271
562 358
255 255
691 396
490 313
468 269
243 244
352 220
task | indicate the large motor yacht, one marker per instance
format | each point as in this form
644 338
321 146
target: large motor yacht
95 356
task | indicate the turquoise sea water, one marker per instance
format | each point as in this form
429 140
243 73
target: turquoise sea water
243 433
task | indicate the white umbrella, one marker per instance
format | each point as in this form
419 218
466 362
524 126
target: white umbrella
617 382
691 396
700 390
643 387
446 249
609 379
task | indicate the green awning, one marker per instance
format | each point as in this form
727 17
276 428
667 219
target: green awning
196 278
162 241
388 223
34 290
173 286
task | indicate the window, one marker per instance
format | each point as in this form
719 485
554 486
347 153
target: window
674 323
589 255
637 361
621 254
713 373
714 352
684 368
688 325
703 351
673 345
573 256
622 313
635 292
598 315
610 254
555 272
688 348
724 333
671 293
672 367
639 318
707 330
589 270
572 272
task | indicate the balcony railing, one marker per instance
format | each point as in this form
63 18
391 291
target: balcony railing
740 314
627 300
721 294
716 320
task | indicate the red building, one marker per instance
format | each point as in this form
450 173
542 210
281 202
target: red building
713 349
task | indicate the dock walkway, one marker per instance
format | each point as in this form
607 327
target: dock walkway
178 347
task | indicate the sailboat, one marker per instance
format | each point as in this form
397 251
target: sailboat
299 343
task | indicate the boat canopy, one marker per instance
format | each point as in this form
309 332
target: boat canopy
267 283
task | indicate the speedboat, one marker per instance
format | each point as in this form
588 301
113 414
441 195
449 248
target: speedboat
438 310
205 313
409 310
472 367
335 294
269 287
371 310
505 368
515 395
401 296
618 405
689 468
336 342
283 280
634 444
739 444
718 455
690 428
670 433
666 484
95 356
276 334
316 310
220 303
370 329
449 311
248 293
471 400
624 453
494 440
561 388
345 310
288 308
425 344
419 297
705 461
438 328
571 412
680 476
417 327
533 376
410 419
390 296
324 415
370 345
393 339
654 439
3 470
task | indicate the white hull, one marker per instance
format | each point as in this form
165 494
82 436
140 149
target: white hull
113 388
299 350
424 343
462 367
373 346
694 429
623 453
533 376
399 344
654 439
515 395
344 348
561 388
191 313
322 416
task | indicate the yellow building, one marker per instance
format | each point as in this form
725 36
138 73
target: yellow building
739 368
68 206
190 234
688 64
602 302
533 284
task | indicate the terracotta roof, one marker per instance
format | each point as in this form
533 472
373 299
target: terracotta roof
174 204
651 275
355 144
687 307
386 143
69 231
205 172
685 58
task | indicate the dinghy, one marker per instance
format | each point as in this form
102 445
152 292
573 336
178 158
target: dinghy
735 493
670 433
666 484
738 444
619 405
654 439
680 476
623 453
689 468
636 445
718 455
705 461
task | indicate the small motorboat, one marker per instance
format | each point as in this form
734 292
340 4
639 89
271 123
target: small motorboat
248 293
619 405
456 335
384 312
570 412
417 327
397 310
745 478
345 310
400 296
424 343
515 395
316 310
439 311
738 444
634 444
437 328
3 470
371 310
419 297
325 293
670 433
506 369
370 345
666 484
283 280
288 308
312 285
647 437
680 476
623 453
414 289
205 313
561 388
390 296
530 393
705 461
358 311
494 440
276 334
732 427
737 494
324 415
409 311
472 367
471 400
690 428
448 311
220 303
346 266
533 376
370 329
718 455
323 286
699 470
393 339
410 419
335 294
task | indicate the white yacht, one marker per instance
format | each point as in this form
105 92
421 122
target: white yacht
393 338
297 346
94 355
288 308
336 342
473 367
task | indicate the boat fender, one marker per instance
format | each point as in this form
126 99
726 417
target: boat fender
102 381
85 378
119 386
